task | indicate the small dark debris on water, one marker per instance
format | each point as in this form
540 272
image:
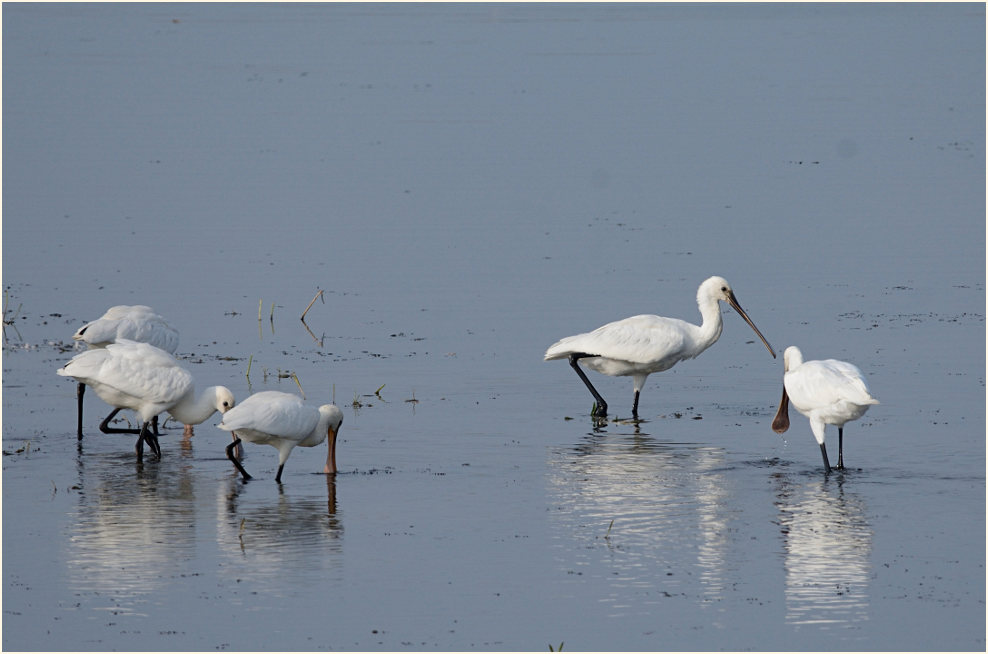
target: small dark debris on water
378 471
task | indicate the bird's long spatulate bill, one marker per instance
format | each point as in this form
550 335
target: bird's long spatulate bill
781 422
737 307
330 468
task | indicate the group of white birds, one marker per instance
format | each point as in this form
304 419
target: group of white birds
828 392
129 365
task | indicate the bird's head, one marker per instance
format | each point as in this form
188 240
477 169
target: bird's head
717 289
792 357
331 415
224 399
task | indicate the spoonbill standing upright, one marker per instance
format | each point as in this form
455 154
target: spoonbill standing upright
282 421
148 380
132 322
640 345
829 392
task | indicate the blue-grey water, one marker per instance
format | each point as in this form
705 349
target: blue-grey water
467 184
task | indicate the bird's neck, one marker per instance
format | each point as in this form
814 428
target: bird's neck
194 410
711 327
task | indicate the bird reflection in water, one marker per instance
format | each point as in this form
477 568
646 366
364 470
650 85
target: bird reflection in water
827 546
283 535
670 511
134 529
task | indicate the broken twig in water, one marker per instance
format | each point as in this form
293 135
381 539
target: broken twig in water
319 294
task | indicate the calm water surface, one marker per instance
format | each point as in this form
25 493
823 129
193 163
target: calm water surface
468 184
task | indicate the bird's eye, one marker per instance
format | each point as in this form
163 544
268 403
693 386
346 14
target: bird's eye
723 289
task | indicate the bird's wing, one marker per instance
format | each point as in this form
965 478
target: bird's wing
854 388
817 384
145 371
272 412
638 339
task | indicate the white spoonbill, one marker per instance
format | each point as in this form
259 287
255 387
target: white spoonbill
282 421
829 392
640 345
148 380
132 322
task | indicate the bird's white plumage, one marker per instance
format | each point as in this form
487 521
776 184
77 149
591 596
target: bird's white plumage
284 422
146 379
131 322
828 392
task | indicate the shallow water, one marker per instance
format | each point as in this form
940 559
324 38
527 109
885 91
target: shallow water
467 184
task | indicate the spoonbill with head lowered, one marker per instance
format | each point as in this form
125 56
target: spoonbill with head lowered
148 380
132 322
829 392
282 421
640 345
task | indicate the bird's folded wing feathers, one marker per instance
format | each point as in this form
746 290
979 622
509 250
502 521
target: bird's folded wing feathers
636 339
284 416
145 371
827 382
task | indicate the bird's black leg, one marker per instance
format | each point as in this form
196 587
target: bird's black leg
277 477
147 437
152 437
107 429
232 457
152 441
600 411
139 446
634 408
840 448
826 461
80 391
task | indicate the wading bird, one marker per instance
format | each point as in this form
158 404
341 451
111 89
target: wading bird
827 392
282 421
148 380
640 345
132 322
